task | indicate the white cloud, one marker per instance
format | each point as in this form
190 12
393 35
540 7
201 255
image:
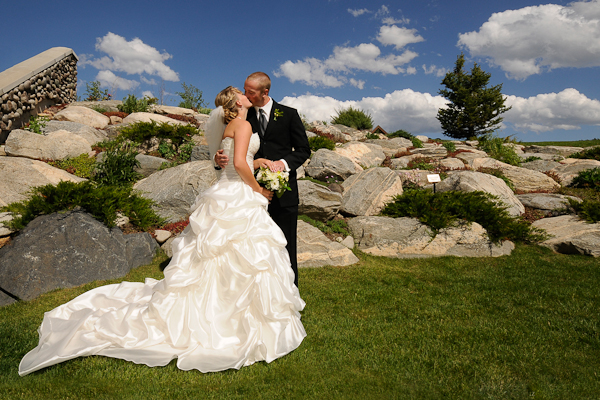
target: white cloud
383 12
530 40
566 110
434 70
112 81
357 13
398 37
357 83
329 73
133 57
402 109
311 71
147 81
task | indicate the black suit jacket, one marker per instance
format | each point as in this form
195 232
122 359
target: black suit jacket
285 138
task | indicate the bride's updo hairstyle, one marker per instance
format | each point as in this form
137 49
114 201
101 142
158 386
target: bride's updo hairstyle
227 99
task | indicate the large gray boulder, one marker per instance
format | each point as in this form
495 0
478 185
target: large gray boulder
56 145
316 250
390 147
367 192
431 150
83 115
63 250
571 235
471 181
408 238
326 163
364 154
541 165
19 175
149 117
470 155
174 190
92 135
552 204
564 151
571 167
317 201
523 179
148 164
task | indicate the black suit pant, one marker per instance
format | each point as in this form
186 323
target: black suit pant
287 219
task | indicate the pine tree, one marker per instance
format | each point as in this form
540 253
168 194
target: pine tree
474 109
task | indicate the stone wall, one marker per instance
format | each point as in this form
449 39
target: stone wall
29 87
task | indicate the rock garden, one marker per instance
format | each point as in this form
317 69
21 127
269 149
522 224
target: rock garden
90 190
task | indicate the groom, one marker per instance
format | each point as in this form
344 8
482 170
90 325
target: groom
283 140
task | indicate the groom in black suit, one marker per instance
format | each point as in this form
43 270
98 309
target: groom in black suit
282 140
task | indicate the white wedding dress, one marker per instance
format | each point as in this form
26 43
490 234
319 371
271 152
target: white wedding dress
227 300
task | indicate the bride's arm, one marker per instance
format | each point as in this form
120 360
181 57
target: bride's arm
241 140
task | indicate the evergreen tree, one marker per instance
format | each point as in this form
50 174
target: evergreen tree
474 109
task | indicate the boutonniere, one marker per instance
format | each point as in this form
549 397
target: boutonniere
277 113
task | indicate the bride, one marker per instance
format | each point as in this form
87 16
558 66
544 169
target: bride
228 297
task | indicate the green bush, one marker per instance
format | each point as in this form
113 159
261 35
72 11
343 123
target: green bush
592 153
81 166
587 179
441 210
177 135
401 133
531 158
321 142
449 146
588 210
36 123
103 202
494 147
354 118
417 143
117 167
131 104
423 163
338 226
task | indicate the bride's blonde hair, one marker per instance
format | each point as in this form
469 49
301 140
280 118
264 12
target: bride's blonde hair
227 99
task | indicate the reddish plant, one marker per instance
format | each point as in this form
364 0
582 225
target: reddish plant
119 114
176 227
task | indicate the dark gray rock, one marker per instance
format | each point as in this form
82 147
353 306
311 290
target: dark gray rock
63 250
200 153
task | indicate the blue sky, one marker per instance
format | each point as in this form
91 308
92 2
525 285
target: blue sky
387 58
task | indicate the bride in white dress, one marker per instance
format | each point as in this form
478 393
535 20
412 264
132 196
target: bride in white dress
228 297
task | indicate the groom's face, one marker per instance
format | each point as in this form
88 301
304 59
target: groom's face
257 96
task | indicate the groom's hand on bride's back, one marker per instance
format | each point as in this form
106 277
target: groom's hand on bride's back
221 159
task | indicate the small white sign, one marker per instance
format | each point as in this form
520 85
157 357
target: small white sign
433 178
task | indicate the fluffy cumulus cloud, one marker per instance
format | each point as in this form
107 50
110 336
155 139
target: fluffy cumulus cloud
131 57
402 109
365 57
566 110
398 36
112 81
530 40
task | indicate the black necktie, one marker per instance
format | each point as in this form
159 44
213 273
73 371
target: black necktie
262 123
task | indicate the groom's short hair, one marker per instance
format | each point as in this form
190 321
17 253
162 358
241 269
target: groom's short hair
262 78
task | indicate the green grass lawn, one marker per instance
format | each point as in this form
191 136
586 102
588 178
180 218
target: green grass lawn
576 143
525 326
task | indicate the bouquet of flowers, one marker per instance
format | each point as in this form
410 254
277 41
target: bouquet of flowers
277 182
